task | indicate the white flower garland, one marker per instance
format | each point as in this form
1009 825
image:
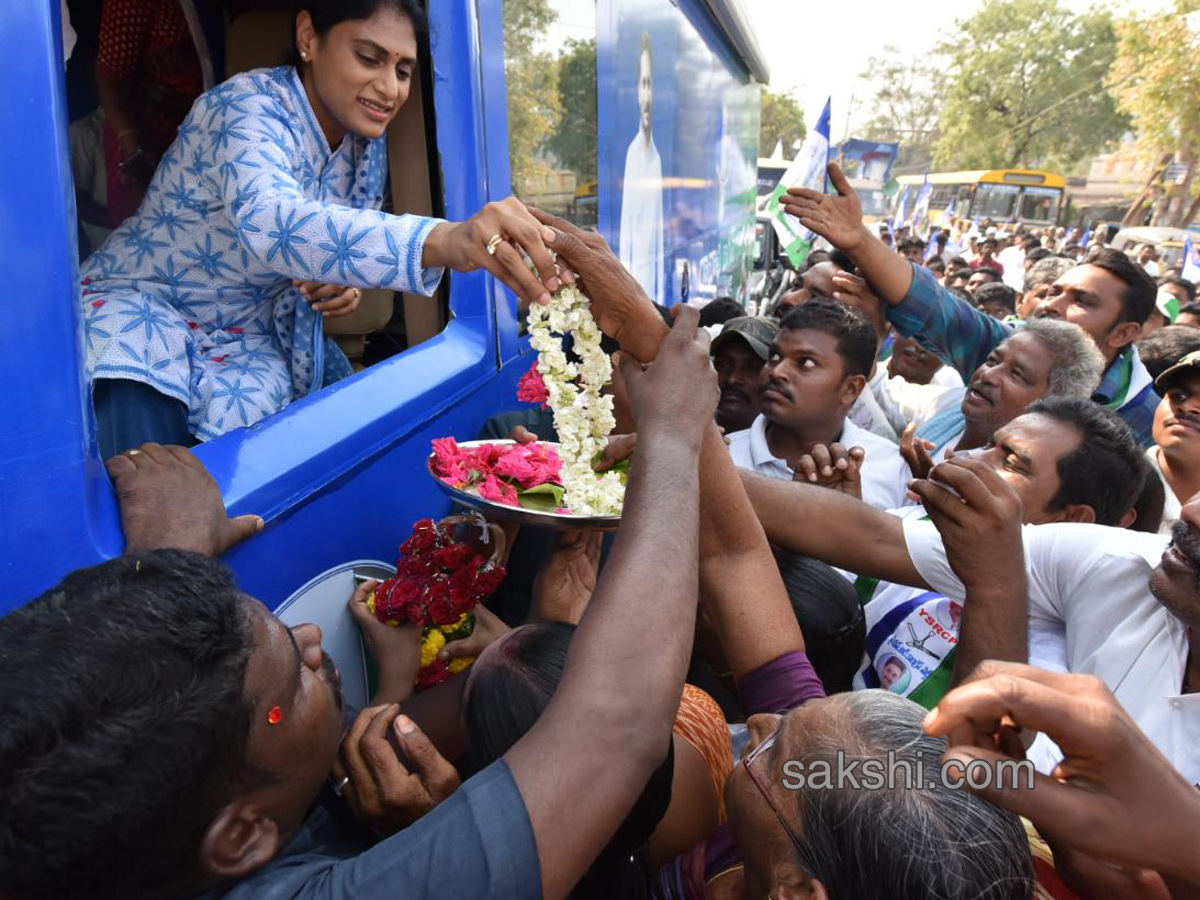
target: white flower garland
583 416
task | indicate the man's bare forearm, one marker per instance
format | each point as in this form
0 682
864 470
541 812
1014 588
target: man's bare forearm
889 274
649 579
609 723
642 338
995 625
832 527
743 594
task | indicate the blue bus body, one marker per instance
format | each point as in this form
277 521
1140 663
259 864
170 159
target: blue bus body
339 475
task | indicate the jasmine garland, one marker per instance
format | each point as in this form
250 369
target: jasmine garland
583 416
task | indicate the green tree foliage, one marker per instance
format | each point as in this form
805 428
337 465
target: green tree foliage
534 108
906 103
573 141
782 119
1026 87
1156 80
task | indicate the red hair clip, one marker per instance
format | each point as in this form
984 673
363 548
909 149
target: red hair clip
275 715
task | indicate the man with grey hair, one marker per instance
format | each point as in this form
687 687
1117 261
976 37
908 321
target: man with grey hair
862 842
1039 278
1046 358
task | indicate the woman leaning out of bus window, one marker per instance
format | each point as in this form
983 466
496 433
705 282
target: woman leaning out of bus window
204 310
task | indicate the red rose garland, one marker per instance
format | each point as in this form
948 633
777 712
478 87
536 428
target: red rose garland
438 583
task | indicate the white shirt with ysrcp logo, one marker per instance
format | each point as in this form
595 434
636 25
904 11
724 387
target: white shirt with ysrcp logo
1091 612
911 635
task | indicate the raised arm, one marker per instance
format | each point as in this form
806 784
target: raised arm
918 306
838 219
981 531
743 594
619 305
256 161
832 527
1114 797
609 723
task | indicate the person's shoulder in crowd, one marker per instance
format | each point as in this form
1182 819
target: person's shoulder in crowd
479 842
740 444
947 376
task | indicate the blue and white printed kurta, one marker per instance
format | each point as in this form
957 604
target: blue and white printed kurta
193 294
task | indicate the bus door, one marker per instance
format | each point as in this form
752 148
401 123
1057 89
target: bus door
996 201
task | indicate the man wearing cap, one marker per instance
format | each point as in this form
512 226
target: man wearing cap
738 355
1176 454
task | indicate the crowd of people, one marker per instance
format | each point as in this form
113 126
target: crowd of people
902 602
641 729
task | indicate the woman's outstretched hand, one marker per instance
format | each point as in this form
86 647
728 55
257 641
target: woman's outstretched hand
499 238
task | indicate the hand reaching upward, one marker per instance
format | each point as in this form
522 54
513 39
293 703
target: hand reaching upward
836 217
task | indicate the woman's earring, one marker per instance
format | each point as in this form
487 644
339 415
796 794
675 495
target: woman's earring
304 56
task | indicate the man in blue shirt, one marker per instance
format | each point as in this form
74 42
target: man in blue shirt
166 736
1108 296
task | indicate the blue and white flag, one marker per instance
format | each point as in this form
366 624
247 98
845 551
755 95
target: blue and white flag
901 217
920 221
1067 237
1191 262
931 247
808 170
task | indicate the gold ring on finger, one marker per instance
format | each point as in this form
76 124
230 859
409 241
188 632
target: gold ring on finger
493 243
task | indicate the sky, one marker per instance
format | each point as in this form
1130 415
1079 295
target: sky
819 50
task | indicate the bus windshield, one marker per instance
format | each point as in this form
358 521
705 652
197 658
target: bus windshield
996 201
1039 204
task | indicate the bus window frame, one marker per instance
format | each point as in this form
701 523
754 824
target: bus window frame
984 188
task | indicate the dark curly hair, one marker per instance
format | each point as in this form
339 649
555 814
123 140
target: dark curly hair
857 341
125 727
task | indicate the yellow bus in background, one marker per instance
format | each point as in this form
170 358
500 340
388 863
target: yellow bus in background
1028 196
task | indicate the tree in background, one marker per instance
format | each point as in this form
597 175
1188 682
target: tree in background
1026 87
1156 80
781 121
573 141
905 106
534 107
